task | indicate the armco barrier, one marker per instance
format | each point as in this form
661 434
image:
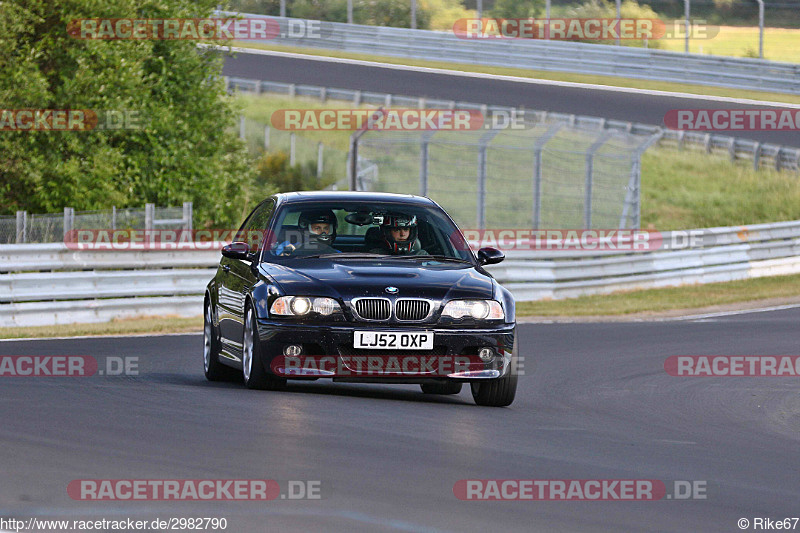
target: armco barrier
583 58
173 282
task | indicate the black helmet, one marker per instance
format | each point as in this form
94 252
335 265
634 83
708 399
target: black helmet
391 222
318 216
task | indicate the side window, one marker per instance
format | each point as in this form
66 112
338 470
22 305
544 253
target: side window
253 230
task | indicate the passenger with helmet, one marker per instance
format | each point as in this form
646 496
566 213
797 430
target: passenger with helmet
399 236
318 229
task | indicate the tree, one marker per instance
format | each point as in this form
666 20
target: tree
184 150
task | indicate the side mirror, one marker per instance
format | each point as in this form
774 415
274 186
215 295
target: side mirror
237 250
490 256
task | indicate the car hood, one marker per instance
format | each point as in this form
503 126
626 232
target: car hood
352 279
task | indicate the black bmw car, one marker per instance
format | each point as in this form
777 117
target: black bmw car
359 287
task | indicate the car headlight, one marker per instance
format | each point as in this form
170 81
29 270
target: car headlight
304 306
476 309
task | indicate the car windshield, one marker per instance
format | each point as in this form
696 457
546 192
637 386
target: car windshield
365 230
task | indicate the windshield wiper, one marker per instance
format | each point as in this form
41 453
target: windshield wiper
434 257
344 255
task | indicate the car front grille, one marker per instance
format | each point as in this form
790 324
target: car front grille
373 308
412 309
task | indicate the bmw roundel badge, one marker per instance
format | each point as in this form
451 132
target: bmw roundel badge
392 290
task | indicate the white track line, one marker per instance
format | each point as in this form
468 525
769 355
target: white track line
516 79
733 313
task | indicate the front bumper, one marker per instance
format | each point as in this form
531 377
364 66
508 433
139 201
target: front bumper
455 349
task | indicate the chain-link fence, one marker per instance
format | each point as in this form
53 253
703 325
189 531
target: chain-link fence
26 227
260 137
545 175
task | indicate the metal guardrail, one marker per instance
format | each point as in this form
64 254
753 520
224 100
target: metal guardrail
173 282
582 58
763 155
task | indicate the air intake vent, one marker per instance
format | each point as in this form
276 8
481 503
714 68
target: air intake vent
373 308
412 309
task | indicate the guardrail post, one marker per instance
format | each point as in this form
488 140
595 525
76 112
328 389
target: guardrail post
353 162
732 149
292 141
22 227
227 83
413 14
113 217
538 146
241 127
357 98
387 100
323 94
756 155
778 158
292 90
187 216
320 157
283 8
149 216
485 139
266 137
69 219
423 162
349 11
589 182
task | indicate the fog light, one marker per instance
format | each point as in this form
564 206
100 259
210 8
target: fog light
486 354
293 349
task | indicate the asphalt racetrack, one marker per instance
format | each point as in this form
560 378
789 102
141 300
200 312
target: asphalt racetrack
611 104
595 403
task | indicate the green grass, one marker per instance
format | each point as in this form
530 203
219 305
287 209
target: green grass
115 327
779 44
683 190
541 74
669 299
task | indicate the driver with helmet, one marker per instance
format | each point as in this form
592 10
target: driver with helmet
399 234
318 231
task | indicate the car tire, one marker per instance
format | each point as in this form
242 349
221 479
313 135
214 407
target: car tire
253 370
450 387
212 368
498 392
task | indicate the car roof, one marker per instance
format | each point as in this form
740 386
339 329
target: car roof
353 196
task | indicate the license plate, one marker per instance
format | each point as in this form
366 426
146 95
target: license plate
390 340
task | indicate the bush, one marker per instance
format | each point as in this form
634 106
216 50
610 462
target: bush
629 9
274 174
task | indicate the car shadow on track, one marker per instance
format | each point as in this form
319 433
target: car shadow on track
378 391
